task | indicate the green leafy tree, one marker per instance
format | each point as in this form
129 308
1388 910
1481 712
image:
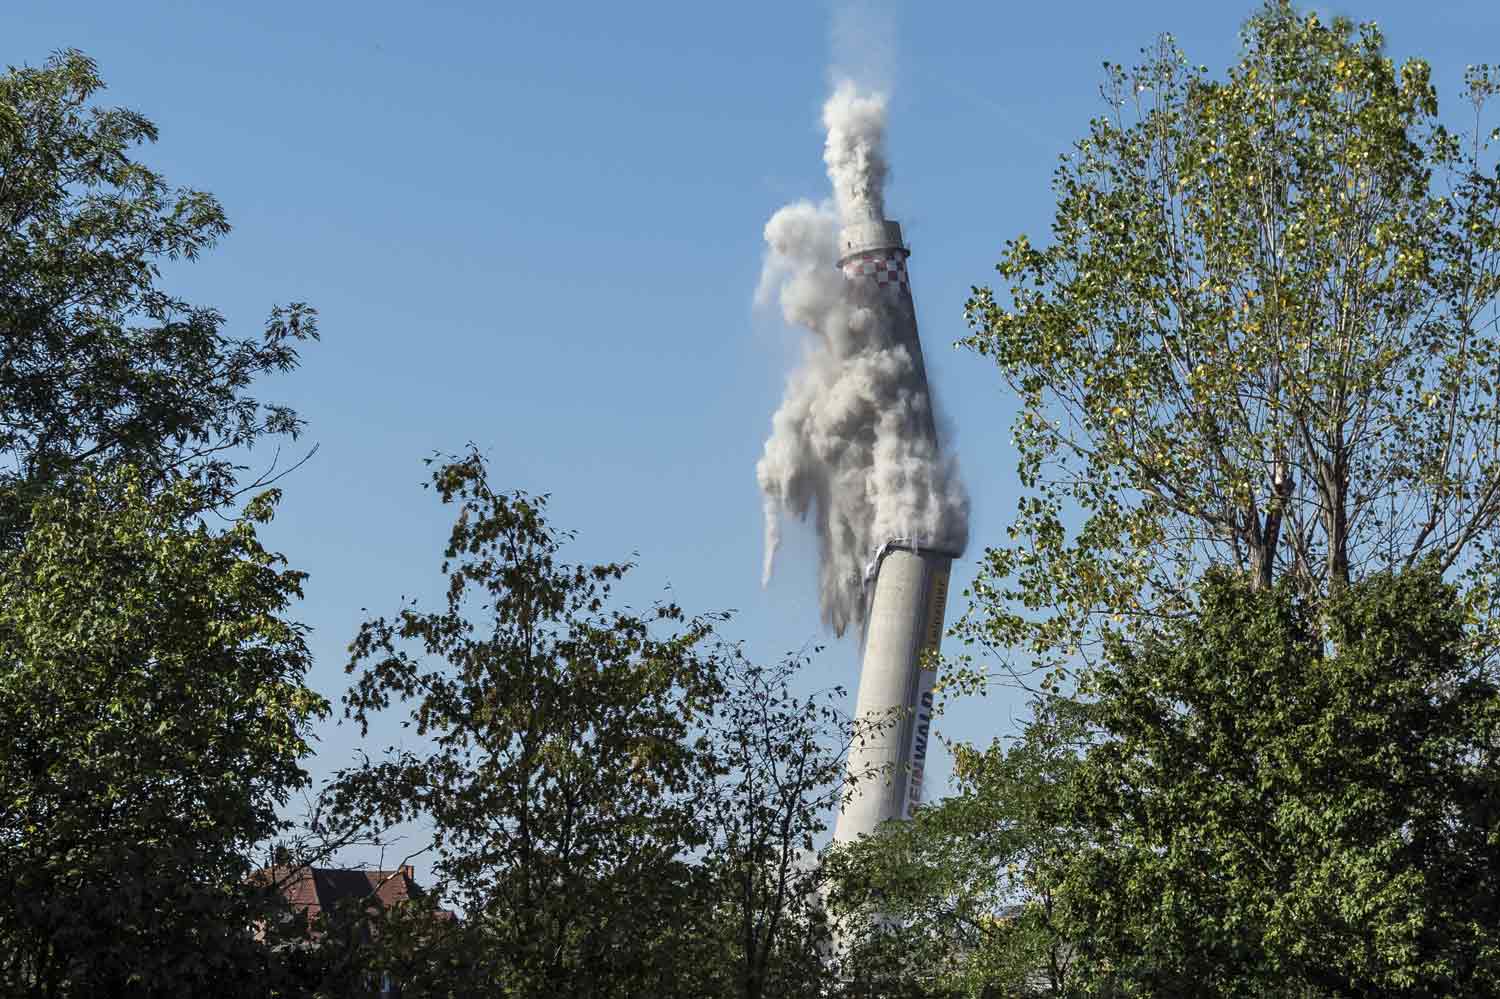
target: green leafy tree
98 364
153 716
1263 335
564 745
1288 801
776 772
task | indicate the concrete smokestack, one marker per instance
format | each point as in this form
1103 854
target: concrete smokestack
906 586
903 623
854 449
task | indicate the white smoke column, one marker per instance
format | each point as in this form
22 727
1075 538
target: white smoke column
855 152
852 444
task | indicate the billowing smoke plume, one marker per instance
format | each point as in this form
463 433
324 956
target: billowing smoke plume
852 444
855 152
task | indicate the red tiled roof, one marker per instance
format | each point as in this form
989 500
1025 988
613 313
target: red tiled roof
316 889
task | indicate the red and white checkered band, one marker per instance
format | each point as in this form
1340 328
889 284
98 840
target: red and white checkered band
886 267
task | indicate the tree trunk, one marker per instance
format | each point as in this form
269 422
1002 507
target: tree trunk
1262 537
1334 485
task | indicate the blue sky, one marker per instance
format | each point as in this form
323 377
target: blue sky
537 227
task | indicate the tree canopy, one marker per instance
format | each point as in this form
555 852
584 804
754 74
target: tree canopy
1262 335
99 364
155 713
1290 798
155 717
775 773
1257 367
563 746
1277 795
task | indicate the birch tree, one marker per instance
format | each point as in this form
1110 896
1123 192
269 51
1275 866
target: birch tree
1262 335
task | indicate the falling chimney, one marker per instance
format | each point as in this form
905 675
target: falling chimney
905 595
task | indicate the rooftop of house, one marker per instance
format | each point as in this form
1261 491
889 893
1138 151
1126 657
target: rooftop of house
315 890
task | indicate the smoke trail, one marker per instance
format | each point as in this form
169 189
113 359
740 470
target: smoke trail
855 152
852 443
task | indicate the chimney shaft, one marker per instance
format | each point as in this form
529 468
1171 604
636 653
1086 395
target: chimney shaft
903 623
906 590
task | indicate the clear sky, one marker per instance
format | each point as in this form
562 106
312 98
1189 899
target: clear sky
537 226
